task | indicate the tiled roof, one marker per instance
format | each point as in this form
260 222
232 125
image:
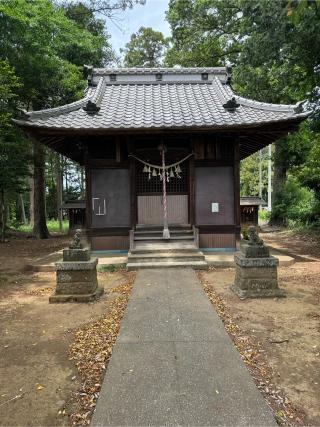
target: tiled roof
251 201
74 204
183 98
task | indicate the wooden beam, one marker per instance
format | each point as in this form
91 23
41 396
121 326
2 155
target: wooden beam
236 177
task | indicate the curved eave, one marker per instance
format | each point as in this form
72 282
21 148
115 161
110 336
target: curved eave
252 137
32 125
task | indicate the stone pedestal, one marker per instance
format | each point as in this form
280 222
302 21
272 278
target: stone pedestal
76 277
256 271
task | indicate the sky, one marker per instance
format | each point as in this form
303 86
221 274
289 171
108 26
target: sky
152 14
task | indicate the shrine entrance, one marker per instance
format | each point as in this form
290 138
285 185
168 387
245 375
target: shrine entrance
149 188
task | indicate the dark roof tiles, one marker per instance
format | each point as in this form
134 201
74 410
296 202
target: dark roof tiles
173 104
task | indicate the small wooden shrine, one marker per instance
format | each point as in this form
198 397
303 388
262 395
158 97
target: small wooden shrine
249 209
76 212
159 146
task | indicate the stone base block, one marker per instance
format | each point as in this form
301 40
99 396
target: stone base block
256 277
76 254
76 281
77 297
77 265
258 292
242 261
76 288
255 251
73 276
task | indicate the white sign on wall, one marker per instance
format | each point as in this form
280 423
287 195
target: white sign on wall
99 206
214 207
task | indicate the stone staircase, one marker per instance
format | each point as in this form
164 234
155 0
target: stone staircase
149 250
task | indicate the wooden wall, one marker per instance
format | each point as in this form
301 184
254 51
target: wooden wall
217 241
110 198
214 185
214 178
112 243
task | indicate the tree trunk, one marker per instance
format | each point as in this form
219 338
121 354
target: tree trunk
31 199
59 190
279 180
2 217
40 229
82 182
22 209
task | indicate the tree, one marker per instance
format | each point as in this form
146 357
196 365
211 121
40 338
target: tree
47 50
85 18
273 46
249 167
145 49
204 32
13 147
107 8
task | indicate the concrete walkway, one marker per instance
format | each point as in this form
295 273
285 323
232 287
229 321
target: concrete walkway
174 364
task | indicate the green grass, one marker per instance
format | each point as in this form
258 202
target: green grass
264 215
52 224
110 268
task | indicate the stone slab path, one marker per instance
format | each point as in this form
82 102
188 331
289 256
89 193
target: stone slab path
174 364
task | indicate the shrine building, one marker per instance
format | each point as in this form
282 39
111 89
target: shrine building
118 129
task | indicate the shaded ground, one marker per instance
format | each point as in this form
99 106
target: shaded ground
289 328
19 251
37 377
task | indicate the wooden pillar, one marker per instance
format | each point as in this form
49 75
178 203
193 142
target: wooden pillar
191 191
118 151
88 223
133 198
236 177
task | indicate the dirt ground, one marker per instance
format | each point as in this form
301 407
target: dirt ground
287 328
37 377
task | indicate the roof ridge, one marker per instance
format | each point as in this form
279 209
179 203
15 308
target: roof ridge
266 106
163 70
285 108
160 83
57 110
220 89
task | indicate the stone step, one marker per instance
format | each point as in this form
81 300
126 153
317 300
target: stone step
159 232
197 265
156 233
154 238
166 256
164 247
160 227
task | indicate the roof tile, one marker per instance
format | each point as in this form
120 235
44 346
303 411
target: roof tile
183 104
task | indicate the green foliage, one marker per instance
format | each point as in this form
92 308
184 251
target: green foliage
274 49
296 204
249 174
204 32
13 147
46 43
110 268
244 233
53 226
47 50
309 171
264 215
145 48
278 55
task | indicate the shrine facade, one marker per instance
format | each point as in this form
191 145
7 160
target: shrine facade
117 130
